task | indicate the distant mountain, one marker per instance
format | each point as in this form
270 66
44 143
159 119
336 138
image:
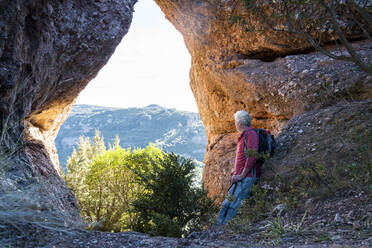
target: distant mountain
169 129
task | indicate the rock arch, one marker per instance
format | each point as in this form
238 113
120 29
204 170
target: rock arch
50 50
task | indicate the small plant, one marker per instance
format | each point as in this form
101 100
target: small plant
255 208
298 227
277 227
324 236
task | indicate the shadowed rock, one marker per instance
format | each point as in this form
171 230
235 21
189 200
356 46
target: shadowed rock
49 51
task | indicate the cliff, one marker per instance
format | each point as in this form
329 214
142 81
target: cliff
272 75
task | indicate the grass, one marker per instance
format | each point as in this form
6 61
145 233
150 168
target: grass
27 217
23 217
27 212
279 227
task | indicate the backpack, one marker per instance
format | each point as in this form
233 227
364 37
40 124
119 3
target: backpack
266 144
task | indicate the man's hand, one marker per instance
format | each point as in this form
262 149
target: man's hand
236 178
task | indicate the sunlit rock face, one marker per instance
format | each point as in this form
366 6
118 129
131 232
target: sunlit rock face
49 51
273 75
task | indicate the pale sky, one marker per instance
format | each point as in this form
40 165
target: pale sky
150 66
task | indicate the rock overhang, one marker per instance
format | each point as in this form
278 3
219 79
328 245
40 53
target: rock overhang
54 49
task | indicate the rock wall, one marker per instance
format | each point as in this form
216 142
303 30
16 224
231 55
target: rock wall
273 75
49 51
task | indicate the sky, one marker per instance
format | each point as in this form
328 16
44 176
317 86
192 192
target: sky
150 66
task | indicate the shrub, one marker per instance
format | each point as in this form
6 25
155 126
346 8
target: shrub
170 205
144 190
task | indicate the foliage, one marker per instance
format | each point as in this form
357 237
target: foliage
321 181
280 227
257 206
109 191
144 190
102 183
297 18
170 205
78 167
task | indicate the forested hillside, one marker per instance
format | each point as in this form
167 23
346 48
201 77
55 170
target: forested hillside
169 129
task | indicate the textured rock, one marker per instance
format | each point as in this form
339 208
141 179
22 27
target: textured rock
277 91
273 75
325 136
49 51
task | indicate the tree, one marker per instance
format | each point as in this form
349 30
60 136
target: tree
144 190
102 183
110 189
316 21
78 164
170 204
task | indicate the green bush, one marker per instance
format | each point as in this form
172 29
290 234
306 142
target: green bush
143 190
170 205
104 186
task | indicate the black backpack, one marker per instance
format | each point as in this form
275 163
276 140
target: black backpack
266 141
266 144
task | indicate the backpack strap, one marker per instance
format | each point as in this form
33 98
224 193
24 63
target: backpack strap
253 169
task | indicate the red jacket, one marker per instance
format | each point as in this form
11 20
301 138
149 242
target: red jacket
241 161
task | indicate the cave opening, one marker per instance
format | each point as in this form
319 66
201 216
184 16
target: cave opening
148 73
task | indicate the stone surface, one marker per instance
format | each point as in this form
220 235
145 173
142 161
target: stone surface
273 75
49 51
278 90
229 72
332 131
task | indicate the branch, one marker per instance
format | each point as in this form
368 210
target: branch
342 37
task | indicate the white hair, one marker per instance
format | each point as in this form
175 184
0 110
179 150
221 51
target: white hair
243 117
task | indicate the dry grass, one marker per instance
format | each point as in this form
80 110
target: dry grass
28 212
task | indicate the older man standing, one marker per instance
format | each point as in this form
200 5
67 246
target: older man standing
246 171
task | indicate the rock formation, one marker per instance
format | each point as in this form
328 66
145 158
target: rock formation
273 75
49 51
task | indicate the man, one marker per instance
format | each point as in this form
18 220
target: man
246 170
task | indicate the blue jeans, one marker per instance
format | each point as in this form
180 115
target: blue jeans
239 191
